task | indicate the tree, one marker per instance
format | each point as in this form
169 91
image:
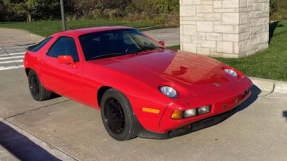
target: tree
85 7
27 8
2 10
30 10
89 7
30 5
22 7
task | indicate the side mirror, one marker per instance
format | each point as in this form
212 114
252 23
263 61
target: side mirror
161 43
66 59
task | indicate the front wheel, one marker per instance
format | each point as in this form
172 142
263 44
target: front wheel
117 116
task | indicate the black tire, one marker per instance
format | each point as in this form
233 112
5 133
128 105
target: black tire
118 117
38 92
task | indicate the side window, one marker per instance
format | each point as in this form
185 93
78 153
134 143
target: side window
64 46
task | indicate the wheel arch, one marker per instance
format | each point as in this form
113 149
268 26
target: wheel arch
100 94
27 70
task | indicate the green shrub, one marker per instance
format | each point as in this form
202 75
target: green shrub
75 9
278 9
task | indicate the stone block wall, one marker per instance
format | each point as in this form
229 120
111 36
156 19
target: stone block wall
227 28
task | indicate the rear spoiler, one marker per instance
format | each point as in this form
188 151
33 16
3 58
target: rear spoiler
31 47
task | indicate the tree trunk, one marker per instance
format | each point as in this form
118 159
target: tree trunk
29 17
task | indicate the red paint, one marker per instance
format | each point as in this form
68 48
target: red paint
199 81
66 59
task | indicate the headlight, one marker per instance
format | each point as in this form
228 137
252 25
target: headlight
189 113
231 72
168 91
178 114
203 110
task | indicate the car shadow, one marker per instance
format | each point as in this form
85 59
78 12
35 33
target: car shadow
284 114
202 124
272 28
21 147
54 96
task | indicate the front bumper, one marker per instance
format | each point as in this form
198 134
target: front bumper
198 125
217 115
219 104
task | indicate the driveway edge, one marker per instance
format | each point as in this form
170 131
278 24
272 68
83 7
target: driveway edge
49 148
271 86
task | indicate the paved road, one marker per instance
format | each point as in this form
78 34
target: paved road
256 132
16 146
66 130
6 156
171 36
12 46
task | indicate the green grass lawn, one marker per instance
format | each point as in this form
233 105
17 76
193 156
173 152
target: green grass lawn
46 28
270 63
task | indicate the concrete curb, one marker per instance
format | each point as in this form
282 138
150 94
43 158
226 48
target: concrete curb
49 148
270 86
5 155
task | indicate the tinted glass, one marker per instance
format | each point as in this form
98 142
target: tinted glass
38 46
115 43
64 46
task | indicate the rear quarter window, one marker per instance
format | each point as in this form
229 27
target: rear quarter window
64 46
37 47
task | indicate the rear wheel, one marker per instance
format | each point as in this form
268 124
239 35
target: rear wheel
117 116
38 92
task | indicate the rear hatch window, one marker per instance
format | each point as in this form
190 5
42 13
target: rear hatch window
37 47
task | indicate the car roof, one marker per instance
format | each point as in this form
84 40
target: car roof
82 31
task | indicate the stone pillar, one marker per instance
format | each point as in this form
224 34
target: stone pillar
226 28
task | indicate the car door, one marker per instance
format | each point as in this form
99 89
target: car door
64 79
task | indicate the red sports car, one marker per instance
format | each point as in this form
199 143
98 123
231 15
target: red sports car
141 87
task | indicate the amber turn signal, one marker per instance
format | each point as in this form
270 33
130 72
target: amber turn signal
177 114
151 110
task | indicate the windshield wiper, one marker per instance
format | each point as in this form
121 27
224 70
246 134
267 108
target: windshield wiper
149 49
126 52
107 55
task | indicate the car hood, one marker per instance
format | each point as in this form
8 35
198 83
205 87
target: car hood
190 73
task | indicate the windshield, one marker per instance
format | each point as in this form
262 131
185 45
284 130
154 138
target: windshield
115 43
